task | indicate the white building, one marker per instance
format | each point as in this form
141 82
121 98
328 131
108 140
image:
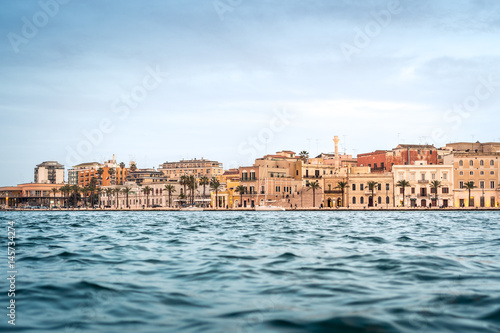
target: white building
421 193
49 172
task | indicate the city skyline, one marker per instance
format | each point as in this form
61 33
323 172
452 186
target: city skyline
212 79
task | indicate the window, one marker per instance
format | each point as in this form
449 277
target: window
461 184
362 200
412 190
401 190
401 175
445 190
492 202
375 165
422 175
412 176
481 173
445 176
481 163
471 173
353 200
387 200
387 187
492 184
380 187
481 184
354 187
461 163
361 187
471 163
433 176
433 190
492 173
379 200
492 163
382 165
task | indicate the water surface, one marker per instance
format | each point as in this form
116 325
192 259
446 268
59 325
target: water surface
255 271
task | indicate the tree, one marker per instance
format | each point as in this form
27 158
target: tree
371 186
192 185
182 196
100 171
314 186
342 186
184 182
304 155
215 185
92 187
99 193
240 189
133 167
403 184
75 189
54 191
85 191
170 189
109 192
146 191
469 186
435 184
204 181
65 190
117 191
126 190
111 172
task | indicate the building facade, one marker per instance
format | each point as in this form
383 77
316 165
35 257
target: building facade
421 192
195 167
49 172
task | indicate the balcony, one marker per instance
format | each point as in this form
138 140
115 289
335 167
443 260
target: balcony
423 181
333 192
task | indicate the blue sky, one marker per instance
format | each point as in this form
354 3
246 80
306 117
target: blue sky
233 79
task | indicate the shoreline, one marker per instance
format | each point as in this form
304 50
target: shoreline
392 209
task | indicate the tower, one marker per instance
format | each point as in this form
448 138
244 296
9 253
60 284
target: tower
337 157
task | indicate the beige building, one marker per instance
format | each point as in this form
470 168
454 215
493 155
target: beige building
420 193
198 168
49 172
483 170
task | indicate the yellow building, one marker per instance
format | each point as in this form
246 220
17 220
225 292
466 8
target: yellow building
481 168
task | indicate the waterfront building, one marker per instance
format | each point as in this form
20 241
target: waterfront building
480 168
49 172
383 160
357 193
31 194
421 193
146 177
113 173
198 168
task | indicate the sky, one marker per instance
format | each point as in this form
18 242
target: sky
232 80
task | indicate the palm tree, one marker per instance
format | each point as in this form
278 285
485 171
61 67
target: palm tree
371 186
109 192
193 185
182 196
133 167
146 191
215 185
184 181
122 167
76 190
65 190
126 190
435 184
117 191
240 189
170 189
469 186
304 155
54 191
111 172
85 191
314 186
403 184
342 186
99 193
100 171
204 181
